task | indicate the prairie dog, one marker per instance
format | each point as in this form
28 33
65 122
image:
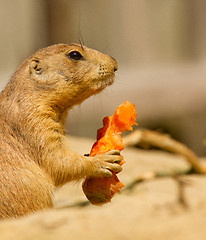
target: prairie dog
34 157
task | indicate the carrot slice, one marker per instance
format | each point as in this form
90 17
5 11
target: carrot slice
101 190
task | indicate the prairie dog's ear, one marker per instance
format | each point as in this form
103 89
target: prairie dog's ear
35 66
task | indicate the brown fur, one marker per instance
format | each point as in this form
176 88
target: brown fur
34 156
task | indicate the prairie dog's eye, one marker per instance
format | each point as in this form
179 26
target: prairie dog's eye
75 55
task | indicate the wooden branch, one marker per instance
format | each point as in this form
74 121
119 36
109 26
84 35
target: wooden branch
72 204
148 176
182 183
165 142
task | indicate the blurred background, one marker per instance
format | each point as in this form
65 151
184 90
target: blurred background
160 47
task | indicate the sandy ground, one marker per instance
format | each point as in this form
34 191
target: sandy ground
150 211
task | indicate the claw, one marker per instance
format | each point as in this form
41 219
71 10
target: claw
113 152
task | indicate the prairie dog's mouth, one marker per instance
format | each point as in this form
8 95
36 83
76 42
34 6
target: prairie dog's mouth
109 80
106 81
103 83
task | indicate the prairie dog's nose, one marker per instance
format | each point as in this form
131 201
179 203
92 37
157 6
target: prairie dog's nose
116 67
115 64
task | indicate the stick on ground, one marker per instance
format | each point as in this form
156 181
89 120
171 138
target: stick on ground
164 141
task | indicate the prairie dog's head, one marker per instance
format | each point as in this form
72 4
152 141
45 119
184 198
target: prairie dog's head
70 71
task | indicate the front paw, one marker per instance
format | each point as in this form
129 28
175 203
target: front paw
105 164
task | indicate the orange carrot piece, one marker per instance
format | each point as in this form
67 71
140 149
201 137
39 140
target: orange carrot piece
100 190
